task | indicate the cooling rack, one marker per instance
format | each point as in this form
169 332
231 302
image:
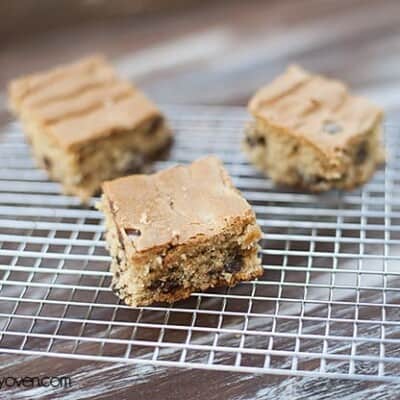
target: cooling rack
328 304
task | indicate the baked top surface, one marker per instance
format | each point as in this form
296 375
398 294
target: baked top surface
177 204
315 108
81 101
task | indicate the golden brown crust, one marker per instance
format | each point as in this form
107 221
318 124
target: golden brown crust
176 205
112 117
21 88
88 101
79 102
315 109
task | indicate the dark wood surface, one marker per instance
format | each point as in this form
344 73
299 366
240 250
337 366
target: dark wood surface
217 54
220 53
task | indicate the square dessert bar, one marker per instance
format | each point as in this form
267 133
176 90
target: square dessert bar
309 131
180 230
87 125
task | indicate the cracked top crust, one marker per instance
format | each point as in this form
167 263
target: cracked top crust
80 101
314 108
177 204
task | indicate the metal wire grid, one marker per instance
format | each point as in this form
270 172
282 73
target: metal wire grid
326 306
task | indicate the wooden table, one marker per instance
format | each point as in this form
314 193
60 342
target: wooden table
218 54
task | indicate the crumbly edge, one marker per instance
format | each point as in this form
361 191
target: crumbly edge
81 170
172 273
290 161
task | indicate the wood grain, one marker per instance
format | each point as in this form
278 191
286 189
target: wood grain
217 53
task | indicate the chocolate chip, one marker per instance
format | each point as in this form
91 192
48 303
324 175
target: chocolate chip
132 232
134 164
155 284
306 179
256 140
86 177
167 286
118 290
47 163
170 286
115 290
154 125
79 158
316 179
331 127
234 265
361 153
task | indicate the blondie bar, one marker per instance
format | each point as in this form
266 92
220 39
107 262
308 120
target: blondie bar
309 131
180 230
87 125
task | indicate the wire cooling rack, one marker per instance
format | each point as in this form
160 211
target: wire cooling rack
328 304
